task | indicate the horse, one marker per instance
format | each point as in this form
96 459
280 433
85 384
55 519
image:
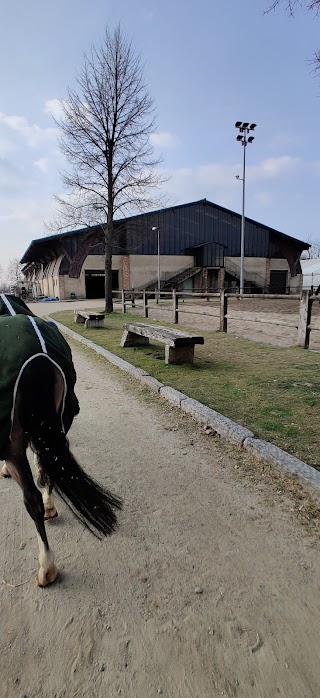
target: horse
37 409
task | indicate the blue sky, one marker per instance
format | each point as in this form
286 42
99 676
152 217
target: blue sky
207 65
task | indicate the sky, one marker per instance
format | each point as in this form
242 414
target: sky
207 65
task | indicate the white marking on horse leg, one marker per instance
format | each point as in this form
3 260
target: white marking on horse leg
50 511
4 472
40 476
36 464
47 571
12 471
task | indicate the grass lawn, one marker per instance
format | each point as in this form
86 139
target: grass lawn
274 391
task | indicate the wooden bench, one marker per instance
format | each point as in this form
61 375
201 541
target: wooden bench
89 319
179 347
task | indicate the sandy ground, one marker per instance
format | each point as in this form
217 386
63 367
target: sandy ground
209 588
266 320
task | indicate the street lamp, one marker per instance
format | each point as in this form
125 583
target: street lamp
158 230
244 138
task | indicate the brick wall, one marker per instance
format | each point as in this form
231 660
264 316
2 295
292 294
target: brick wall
126 272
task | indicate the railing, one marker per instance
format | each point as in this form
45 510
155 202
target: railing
234 269
303 324
166 276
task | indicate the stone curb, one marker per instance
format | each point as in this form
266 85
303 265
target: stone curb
264 450
173 396
151 382
223 426
220 424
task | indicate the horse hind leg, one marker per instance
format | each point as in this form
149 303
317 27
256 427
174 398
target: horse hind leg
43 481
19 468
35 507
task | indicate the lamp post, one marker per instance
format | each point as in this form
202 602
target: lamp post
244 138
158 273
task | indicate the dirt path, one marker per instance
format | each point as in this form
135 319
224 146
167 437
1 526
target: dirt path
209 587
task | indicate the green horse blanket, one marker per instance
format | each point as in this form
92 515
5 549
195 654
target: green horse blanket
24 336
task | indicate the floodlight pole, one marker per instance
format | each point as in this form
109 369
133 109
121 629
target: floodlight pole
244 138
243 220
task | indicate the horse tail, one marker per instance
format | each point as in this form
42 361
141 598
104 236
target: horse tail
90 503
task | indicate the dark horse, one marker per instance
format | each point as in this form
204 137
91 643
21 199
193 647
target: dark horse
37 407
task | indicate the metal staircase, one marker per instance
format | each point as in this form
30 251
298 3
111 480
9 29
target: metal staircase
181 276
233 269
168 280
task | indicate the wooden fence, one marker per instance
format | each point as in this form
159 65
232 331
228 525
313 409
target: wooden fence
303 324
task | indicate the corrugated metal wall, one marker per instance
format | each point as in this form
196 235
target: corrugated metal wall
185 227
205 230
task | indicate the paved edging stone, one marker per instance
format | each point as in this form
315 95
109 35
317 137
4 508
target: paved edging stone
172 395
264 450
225 427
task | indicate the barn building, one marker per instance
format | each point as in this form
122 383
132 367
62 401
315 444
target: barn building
199 247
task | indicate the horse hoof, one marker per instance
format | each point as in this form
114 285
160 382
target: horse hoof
4 472
50 514
45 577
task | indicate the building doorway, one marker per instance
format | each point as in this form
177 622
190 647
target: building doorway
94 281
278 281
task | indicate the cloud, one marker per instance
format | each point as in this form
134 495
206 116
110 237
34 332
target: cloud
217 181
53 107
33 135
148 15
22 220
163 139
284 140
214 181
6 147
11 178
42 164
263 198
274 167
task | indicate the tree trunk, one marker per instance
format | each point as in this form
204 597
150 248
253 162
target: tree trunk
108 268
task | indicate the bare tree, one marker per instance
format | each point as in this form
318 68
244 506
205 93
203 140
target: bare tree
314 250
14 271
291 7
106 126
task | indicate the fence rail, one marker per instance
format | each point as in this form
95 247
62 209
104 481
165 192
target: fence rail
303 324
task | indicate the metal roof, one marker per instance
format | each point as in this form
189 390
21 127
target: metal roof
45 249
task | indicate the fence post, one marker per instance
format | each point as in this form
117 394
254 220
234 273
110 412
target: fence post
223 311
304 319
123 301
175 311
133 299
145 304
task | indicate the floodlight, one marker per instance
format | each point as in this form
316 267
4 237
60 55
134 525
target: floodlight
245 124
239 138
252 127
238 124
250 139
